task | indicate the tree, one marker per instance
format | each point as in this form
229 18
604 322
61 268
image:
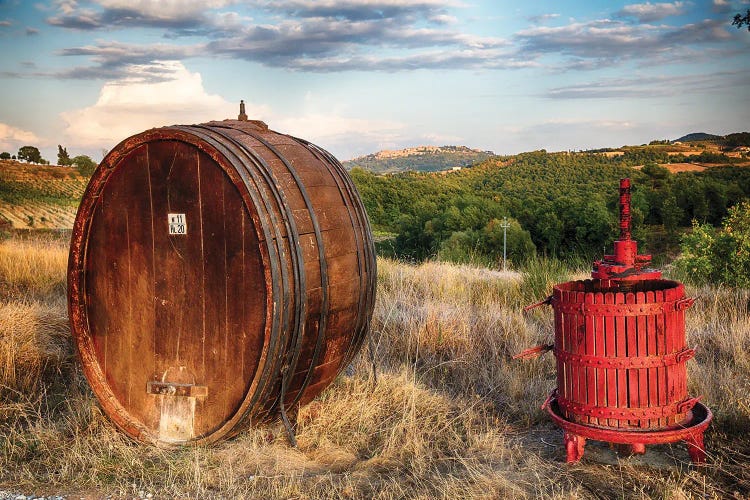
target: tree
62 156
657 174
30 154
519 246
4 155
740 21
671 214
737 139
461 247
84 164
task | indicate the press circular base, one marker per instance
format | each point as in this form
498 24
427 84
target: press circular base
691 433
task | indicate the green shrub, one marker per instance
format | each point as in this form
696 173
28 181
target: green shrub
718 256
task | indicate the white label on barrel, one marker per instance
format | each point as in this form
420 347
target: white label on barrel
177 223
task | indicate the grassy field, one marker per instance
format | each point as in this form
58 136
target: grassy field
445 414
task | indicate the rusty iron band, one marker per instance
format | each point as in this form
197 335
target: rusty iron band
323 278
618 310
359 225
627 413
369 252
295 250
624 362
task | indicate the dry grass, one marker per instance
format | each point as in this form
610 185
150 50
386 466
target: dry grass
449 416
33 268
720 326
34 338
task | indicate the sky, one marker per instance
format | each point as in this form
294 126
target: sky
359 76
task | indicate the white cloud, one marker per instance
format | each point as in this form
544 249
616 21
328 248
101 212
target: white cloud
99 14
12 138
605 42
343 136
66 6
443 19
652 86
647 12
575 133
442 139
132 104
356 9
721 6
295 34
165 8
542 18
322 126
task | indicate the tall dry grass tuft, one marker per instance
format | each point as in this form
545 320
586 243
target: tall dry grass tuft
34 345
449 414
719 326
34 266
457 328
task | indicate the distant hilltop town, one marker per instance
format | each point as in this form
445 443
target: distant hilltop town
419 158
400 153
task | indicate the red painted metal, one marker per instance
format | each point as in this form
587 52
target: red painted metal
625 264
621 355
691 433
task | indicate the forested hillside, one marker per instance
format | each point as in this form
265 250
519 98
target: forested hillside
699 136
725 142
557 204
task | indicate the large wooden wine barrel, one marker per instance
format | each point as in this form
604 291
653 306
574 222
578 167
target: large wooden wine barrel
217 271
